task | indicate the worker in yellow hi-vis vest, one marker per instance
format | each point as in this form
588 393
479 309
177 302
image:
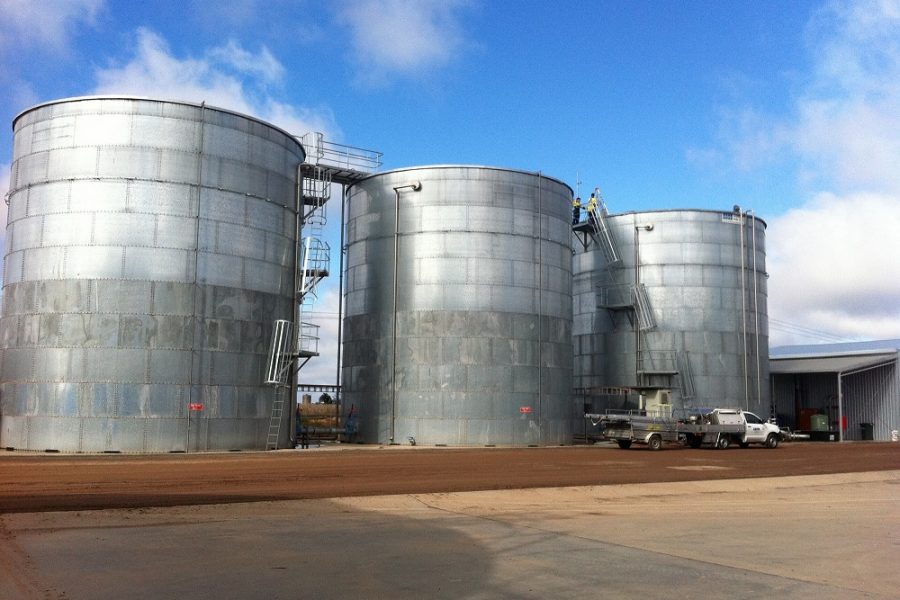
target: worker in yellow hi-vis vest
576 210
592 210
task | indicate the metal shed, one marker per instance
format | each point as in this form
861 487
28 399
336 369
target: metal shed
851 390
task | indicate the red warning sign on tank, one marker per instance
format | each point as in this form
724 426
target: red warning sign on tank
195 406
525 410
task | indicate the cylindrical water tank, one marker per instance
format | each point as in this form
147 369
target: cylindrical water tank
150 246
458 307
683 309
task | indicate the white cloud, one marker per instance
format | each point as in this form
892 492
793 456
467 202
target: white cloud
404 37
46 25
848 122
834 266
845 126
263 64
834 260
155 71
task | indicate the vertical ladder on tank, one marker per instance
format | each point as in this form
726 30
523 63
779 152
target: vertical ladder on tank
277 417
278 374
314 257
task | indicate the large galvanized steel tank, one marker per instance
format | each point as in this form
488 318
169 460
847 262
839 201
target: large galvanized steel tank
458 307
150 245
705 335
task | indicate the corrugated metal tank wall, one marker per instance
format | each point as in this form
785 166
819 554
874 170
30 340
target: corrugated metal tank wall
698 287
480 352
150 245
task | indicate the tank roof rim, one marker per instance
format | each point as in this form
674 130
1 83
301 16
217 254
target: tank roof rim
71 99
684 210
460 166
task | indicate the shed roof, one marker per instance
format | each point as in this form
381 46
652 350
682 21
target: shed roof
829 364
835 349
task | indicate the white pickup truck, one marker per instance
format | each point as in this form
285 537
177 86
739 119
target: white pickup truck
718 428
745 428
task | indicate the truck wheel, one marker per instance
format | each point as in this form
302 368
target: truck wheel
772 441
624 444
655 442
723 442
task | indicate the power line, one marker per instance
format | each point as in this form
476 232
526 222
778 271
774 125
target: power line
789 327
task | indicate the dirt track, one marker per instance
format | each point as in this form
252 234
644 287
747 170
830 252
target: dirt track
37 483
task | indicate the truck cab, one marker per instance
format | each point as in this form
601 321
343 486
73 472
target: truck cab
753 430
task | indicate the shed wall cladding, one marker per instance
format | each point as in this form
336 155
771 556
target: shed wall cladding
150 245
480 352
871 396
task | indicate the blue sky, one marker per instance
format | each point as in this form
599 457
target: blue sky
791 109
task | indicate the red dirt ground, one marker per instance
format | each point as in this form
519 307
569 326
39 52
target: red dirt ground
38 482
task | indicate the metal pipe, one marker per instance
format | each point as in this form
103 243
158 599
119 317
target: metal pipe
298 224
540 307
340 347
637 327
744 310
756 311
414 186
638 227
840 386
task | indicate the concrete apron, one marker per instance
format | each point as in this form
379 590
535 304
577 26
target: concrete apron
824 536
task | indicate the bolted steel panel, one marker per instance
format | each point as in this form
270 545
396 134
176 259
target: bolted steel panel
454 356
146 258
706 295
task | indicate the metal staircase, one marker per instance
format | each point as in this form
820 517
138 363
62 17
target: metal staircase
686 375
646 318
327 163
315 253
654 368
596 227
630 298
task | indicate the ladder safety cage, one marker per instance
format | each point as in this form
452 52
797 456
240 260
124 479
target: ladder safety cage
278 364
314 266
315 187
308 340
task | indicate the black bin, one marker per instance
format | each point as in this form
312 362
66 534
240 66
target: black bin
868 431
